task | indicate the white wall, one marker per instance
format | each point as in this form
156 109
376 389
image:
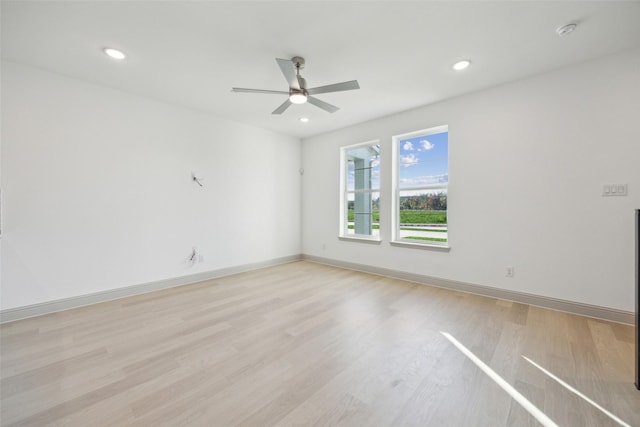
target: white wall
527 164
97 191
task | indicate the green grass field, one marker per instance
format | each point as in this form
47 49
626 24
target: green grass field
412 217
432 239
376 215
423 217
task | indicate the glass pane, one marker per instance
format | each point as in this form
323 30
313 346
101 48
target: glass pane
423 216
363 168
424 160
363 214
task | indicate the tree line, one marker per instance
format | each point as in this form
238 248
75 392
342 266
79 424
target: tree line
432 202
427 202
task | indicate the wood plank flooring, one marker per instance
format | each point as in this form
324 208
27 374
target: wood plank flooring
303 344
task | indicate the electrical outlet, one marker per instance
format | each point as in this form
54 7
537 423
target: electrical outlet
200 258
508 271
324 247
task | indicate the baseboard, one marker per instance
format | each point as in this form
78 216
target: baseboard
18 313
613 315
594 311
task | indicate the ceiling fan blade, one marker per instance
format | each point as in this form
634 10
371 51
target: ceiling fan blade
321 104
241 89
283 107
289 73
338 87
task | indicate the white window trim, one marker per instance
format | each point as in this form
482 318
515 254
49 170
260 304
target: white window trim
343 223
360 238
433 245
395 200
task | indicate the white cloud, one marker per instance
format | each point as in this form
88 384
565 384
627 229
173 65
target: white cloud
408 160
426 145
407 146
424 180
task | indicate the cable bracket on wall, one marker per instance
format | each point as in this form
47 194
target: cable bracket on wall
196 179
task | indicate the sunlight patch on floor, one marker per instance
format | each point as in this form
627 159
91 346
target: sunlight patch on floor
577 392
515 394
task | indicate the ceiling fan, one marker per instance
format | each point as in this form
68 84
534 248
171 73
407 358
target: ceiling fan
298 92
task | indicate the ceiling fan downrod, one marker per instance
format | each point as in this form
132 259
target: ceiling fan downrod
298 96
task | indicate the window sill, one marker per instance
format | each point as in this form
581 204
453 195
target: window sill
371 240
428 246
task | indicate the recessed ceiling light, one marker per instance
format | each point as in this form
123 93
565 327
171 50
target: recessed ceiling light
461 65
566 29
114 53
304 119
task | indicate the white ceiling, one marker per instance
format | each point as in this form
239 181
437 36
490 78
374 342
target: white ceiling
192 52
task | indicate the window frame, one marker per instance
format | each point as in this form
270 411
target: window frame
396 240
343 233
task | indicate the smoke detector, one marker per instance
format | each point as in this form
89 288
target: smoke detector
566 29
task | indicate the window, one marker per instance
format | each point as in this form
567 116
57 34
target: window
360 202
421 178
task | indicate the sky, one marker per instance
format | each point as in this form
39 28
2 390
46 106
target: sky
424 160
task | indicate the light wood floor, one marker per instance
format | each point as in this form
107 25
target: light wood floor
306 344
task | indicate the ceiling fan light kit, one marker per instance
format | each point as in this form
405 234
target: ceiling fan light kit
297 97
298 92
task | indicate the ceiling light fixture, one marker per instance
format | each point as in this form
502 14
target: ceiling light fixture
297 96
566 29
304 119
114 53
461 65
